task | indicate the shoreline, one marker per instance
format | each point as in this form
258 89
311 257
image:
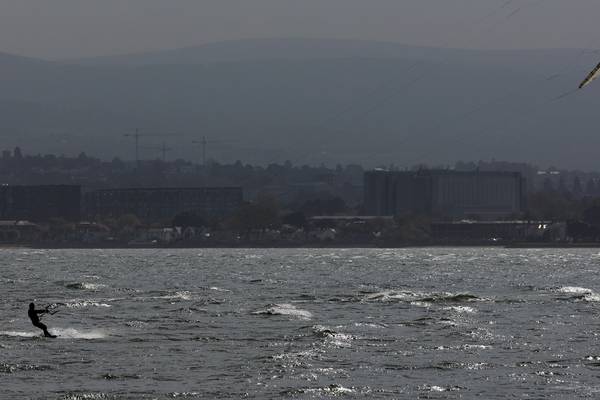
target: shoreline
81 246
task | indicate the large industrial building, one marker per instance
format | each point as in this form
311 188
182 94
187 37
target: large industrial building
40 203
154 204
445 194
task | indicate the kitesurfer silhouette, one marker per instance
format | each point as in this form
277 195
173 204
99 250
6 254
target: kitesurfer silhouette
35 320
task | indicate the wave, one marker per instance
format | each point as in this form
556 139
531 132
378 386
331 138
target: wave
111 377
72 333
461 309
312 353
415 297
449 297
62 333
465 347
323 331
422 304
575 290
12 368
337 338
179 295
331 390
370 325
435 388
86 396
137 324
580 293
85 303
84 286
392 295
218 289
284 309
19 334
184 395
592 297
475 346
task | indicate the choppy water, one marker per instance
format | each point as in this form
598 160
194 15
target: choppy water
407 323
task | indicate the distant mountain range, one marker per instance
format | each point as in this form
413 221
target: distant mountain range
309 101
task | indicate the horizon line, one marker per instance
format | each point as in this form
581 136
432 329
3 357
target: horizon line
145 52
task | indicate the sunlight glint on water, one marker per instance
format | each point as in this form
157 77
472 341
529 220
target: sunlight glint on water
303 323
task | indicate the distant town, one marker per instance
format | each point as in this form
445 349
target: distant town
59 201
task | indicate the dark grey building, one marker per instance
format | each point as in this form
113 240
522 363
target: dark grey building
445 193
153 204
40 202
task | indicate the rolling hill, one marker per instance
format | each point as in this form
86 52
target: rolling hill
310 101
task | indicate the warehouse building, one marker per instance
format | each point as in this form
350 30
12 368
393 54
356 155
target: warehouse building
155 204
40 202
445 194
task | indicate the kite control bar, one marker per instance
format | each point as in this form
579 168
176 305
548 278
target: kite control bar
53 306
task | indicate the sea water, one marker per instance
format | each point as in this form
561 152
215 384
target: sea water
437 323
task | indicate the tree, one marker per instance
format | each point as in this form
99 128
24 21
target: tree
128 221
577 187
325 205
582 231
548 185
562 186
297 219
554 206
590 187
60 229
410 229
591 215
259 215
188 219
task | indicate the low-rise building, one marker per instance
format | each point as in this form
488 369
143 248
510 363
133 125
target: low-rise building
153 204
494 231
40 202
447 194
19 232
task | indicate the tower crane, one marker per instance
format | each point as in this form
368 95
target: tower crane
203 142
163 149
137 135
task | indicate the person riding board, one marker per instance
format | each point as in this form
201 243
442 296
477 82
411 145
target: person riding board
35 320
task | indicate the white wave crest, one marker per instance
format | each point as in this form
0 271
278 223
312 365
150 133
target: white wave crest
575 290
85 396
461 309
336 338
301 354
475 346
587 294
218 289
370 325
62 333
593 297
85 286
85 303
332 390
136 324
436 388
19 334
391 295
422 304
180 295
284 309
72 333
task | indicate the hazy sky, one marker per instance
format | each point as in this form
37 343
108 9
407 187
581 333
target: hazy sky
75 28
